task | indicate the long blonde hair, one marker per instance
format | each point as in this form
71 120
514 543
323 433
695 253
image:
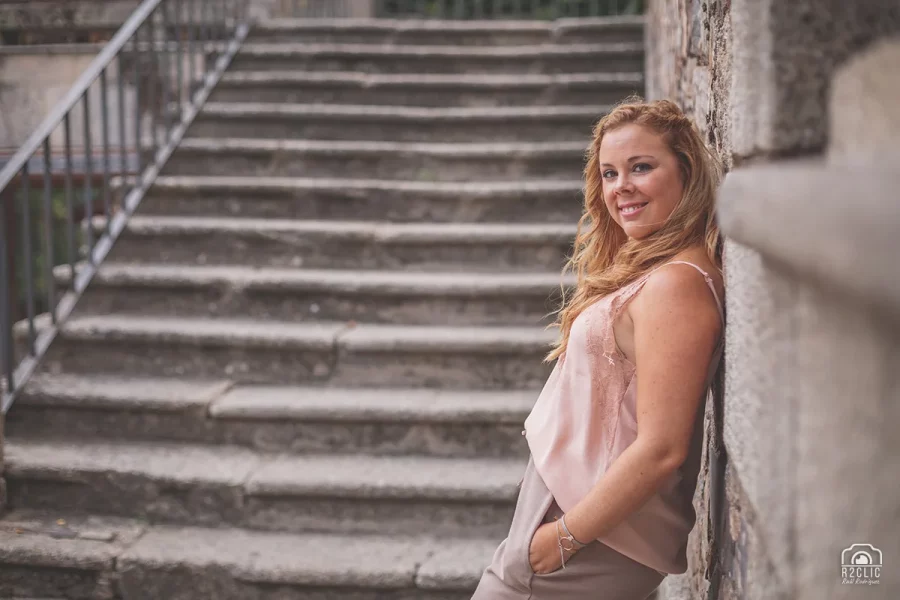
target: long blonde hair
603 258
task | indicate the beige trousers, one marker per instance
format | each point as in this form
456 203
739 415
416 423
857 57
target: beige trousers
596 572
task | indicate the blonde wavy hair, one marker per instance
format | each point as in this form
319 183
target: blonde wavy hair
603 258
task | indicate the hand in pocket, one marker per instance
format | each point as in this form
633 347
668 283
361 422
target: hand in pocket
543 553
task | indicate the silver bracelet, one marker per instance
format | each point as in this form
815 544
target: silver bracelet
573 544
569 533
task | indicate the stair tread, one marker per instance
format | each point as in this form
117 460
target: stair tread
374 230
444 25
334 280
524 51
445 188
449 80
322 336
575 149
402 113
223 400
159 394
354 476
374 561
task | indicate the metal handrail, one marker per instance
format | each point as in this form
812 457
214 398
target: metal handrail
76 92
174 41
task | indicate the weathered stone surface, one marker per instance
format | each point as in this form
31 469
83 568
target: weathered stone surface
265 403
549 58
2 463
43 555
456 564
769 66
432 247
399 124
865 119
212 486
237 564
378 160
368 200
191 563
860 250
321 295
462 33
400 478
239 350
159 482
275 419
158 395
335 87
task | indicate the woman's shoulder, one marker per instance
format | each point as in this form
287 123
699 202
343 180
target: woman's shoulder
681 290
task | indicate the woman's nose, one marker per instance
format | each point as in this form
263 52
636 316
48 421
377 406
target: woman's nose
623 185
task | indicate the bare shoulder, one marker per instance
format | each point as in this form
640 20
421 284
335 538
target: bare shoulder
678 292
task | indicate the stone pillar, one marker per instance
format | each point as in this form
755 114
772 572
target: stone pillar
811 340
814 344
2 468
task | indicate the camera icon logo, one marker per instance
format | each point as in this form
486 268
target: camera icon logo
861 565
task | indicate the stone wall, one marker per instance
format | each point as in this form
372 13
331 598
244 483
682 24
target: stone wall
775 87
2 469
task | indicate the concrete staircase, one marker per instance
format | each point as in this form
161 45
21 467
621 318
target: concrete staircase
303 371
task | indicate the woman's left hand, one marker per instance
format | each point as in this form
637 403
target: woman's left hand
543 554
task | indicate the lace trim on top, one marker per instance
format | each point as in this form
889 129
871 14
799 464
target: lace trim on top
613 373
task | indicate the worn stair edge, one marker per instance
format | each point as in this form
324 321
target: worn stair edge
225 401
395 233
105 392
504 151
343 281
309 336
450 82
365 561
378 113
487 189
258 474
442 25
256 50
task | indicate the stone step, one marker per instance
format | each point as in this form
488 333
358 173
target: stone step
377 160
320 295
459 33
435 247
348 87
293 419
381 58
336 354
550 201
165 482
396 123
103 558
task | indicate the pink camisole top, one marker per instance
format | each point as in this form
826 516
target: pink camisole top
586 416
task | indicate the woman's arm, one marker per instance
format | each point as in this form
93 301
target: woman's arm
676 328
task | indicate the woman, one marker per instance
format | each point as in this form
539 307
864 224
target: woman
604 509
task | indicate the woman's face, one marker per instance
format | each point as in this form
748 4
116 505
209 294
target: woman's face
641 179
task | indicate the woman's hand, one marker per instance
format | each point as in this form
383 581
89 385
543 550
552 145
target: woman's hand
543 554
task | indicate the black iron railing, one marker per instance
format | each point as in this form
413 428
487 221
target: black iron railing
462 9
93 159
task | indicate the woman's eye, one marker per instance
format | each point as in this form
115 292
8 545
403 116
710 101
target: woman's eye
641 168
608 173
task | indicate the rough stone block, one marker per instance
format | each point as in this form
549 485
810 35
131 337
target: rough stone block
785 55
2 470
864 113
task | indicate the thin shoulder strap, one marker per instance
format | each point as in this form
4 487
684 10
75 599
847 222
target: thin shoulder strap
709 282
